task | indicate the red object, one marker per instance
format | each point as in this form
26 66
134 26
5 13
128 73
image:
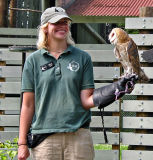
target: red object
108 7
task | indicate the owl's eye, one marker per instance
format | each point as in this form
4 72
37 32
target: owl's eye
113 34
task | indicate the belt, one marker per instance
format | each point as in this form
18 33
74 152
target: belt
85 125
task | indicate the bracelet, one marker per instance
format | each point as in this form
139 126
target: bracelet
22 144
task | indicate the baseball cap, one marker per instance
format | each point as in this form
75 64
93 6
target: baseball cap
53 15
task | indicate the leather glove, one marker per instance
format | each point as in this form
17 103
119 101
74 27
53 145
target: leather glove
108 94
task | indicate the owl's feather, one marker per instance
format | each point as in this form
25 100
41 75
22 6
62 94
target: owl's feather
127 53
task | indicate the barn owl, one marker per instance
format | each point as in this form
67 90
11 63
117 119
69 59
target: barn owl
127 53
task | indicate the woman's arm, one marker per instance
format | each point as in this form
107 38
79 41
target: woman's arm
27 112
104 96
87 98
26 116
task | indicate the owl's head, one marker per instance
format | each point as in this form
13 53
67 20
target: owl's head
118 35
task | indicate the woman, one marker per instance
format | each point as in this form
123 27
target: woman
58 92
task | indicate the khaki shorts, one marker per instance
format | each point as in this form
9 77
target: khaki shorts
65 146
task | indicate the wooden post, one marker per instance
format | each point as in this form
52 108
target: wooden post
43 5
12 18
59 3
144 12
3 13
2 63
117 130
3 23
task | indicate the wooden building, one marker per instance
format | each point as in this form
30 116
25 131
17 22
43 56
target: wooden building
92 19
90 25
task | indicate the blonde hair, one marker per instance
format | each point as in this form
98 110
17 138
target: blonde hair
43 41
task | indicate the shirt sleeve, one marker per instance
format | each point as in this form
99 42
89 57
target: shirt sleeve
27 78
88 77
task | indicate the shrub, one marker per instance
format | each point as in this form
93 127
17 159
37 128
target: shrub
8 149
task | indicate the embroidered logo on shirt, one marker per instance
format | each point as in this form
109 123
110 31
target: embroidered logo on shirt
73 66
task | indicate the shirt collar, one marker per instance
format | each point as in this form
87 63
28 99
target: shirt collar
68 50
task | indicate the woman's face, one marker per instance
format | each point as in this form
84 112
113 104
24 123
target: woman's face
59 30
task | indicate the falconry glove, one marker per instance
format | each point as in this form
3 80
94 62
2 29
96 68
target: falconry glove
108 94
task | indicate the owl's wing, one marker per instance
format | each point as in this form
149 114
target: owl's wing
133 56
117 53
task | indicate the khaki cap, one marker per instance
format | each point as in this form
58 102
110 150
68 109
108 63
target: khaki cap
53 15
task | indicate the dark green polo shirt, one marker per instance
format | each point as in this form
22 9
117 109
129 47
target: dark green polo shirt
57 85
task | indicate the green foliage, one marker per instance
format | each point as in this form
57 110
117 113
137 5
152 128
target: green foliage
102 147
122 25
109 147
9 149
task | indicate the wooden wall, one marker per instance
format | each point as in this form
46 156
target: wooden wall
123 129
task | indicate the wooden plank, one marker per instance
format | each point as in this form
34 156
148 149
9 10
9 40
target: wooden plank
148 71
98 19
136 139
10 71
11 129
98 138
144 12
138 122
110 122
139 23
142 39
10 57
17 41
18 31
95 46
14 62
9 120
10 103
12 112
140 55
107 155
102 55
143 89
12 79
107 55
114 107
6 55
140 89
8 135
98 85
10 87
106 73
137 106
136 155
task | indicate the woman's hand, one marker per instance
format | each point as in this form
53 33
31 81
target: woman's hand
23 152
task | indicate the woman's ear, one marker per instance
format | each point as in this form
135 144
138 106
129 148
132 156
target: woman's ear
45 30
